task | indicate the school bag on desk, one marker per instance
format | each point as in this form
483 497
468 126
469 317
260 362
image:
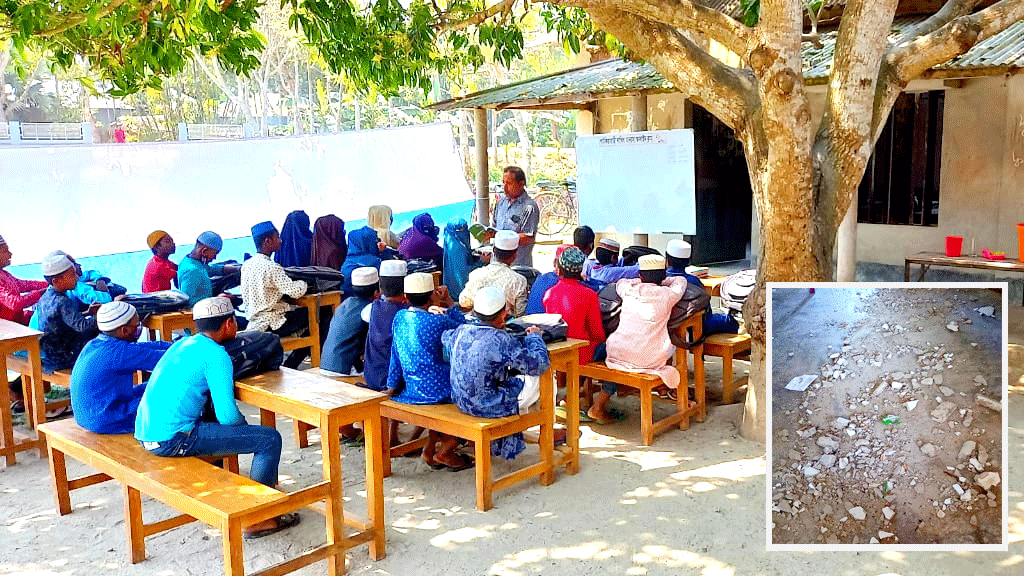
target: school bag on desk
317 278
553 327
161 302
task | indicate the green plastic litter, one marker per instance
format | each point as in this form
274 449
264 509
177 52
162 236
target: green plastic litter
890 420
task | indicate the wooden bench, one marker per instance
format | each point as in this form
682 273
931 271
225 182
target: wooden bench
203 492
727 347
61 378
448 419
645 384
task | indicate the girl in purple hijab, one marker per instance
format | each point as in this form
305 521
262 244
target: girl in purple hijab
421 241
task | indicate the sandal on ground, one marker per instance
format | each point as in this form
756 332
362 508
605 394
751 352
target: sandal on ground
435 465
465 462
614 415
353 441
61 412
667 393
561 413
282 522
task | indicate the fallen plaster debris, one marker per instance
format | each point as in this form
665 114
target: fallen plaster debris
987 480
800 383
953 327
987 311
966 450
857 513
987 402
911 405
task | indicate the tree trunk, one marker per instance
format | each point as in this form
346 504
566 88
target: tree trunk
264 107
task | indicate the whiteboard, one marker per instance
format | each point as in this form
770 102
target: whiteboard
637 182
105 199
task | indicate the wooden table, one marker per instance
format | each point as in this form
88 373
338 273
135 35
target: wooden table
713 284
565 358
312 303
329 405
167 323
14 338
928 259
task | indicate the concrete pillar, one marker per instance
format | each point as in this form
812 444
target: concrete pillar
584 123
14 127
483 191
182 132
846 245
88 137
638 123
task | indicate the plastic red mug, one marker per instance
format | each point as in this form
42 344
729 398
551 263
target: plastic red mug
953 245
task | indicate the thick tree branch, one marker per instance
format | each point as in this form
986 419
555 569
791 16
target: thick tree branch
843 139
726 92
682 14
77 19
951 9
481 16
911 59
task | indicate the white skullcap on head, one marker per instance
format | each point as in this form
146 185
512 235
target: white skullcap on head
212 308
394 268
113 315
55 263
365 276
609 243
489 300
419 283
678 248
506 240
652 262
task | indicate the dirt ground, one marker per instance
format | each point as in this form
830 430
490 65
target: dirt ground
888 444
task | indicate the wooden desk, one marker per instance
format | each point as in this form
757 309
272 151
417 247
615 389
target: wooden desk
167 323
565 358
312 303
714 284
328 404
14 338
928 259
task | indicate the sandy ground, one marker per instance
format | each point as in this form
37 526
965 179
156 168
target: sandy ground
840 473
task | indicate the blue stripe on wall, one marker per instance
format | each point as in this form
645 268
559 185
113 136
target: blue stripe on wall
127 268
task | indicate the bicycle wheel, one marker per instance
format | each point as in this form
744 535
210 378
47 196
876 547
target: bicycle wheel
555 213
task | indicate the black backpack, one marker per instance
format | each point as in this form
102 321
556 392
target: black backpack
317 278
549 332
631 254
160 302
414 265
254 352
221 283
529 273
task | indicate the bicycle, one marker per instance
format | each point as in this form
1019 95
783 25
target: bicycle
559 209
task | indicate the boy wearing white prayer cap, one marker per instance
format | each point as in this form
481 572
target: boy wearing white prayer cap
499 273
678 256
486 364
607 268
65 328
419 373
346 338
194 371
104 396
382 315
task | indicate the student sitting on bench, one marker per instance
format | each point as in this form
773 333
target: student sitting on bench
65 328
175 419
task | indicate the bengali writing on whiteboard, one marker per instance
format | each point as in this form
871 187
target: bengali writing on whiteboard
637 182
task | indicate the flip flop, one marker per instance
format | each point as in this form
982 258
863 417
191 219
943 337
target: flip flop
614 415
436 465
560 412
354 442
59 412
667 394
282 522
467 462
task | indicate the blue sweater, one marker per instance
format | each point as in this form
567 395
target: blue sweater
176 394
346 339
103 392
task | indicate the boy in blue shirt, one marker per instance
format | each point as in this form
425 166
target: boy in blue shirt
196 370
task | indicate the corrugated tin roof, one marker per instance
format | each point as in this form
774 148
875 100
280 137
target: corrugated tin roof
607 77
999 52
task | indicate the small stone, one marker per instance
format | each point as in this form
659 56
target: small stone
987 480
882 534
827 461
937 378
857 513
980 380
958 489
842 422
827 442
987 311
791 354
946 391
976 465
940 514
888 513
974 520
927 381
953 327
843 463
943 411
911 405
966 450
966 496
810 471
929 449
873 540
982 456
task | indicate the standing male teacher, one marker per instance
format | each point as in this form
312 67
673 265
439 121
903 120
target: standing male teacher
517 212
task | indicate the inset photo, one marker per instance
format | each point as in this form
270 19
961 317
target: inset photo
887 422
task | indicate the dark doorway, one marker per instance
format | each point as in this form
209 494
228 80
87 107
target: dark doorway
723 189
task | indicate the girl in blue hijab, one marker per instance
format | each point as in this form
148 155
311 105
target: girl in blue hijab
363 250
296 241
458 256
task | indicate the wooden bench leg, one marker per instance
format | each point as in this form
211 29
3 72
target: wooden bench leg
231 534
6 419
699 388
683 391
728 386
133 523
59 477
231 463
331 444
646 416
302 433
484 485
268 419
